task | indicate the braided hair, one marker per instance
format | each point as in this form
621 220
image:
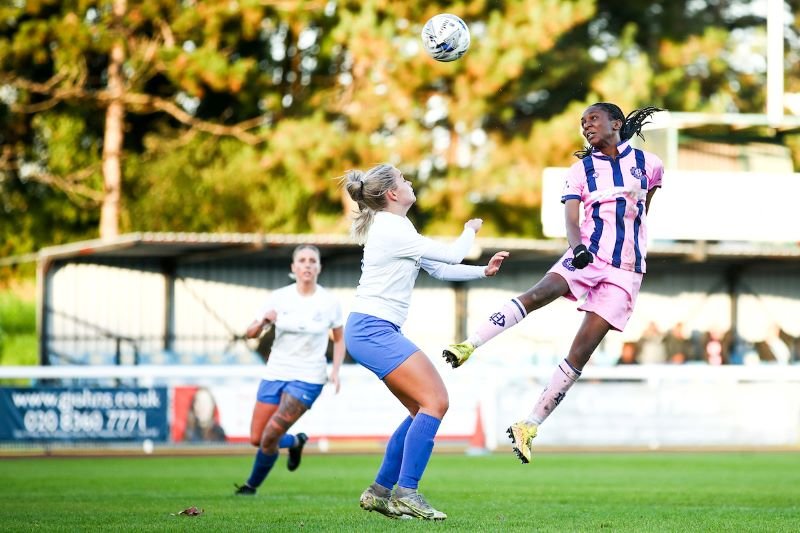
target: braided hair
631 125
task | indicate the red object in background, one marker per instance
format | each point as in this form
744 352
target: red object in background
195 416
478 439
181 402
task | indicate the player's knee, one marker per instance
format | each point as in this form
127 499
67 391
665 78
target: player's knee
539 295
532 299
255 440
269 447
438 405
270 442
445 405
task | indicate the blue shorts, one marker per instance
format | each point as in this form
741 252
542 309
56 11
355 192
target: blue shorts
376 344
270 391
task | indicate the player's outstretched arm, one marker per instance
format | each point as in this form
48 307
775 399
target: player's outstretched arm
453 253
494 263
474 224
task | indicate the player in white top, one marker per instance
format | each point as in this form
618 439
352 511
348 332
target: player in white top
615 182
305 316
393 255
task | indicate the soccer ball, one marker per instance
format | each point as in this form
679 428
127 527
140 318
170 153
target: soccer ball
445 37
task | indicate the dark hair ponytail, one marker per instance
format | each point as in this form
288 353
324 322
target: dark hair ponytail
635 120
631 125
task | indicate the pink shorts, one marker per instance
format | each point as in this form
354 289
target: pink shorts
610 292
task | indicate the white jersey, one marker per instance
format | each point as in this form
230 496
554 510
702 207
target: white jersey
301 333
393 254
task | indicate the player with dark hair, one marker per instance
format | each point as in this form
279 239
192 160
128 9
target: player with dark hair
393 255
305 316
605 262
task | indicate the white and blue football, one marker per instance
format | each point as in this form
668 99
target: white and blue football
445 37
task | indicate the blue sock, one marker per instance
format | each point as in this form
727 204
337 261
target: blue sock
393 458
261 467
417 450
287 441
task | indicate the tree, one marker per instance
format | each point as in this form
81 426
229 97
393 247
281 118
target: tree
216 116
75 58
114 126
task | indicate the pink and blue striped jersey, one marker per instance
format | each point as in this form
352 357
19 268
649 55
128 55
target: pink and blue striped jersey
614 192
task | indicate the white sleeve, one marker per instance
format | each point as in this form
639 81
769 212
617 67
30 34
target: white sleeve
407 242
447 272
452 253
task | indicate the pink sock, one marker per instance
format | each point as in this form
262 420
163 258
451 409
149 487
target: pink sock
563 378
510 314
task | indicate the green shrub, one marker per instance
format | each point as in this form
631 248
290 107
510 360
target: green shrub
18 341
17 316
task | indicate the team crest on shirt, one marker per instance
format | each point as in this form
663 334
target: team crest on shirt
637 172
567 263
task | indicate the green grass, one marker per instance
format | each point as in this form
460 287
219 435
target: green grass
558 492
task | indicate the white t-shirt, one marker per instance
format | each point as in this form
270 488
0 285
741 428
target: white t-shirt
301 333
393 254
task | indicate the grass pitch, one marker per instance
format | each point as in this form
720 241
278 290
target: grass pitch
557 492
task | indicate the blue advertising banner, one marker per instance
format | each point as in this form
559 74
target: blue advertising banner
80 414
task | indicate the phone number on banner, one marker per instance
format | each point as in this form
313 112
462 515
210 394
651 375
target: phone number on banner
83 414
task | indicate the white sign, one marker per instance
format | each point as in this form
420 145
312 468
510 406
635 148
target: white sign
703 206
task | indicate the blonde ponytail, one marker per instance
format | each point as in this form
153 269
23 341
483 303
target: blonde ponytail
368 190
